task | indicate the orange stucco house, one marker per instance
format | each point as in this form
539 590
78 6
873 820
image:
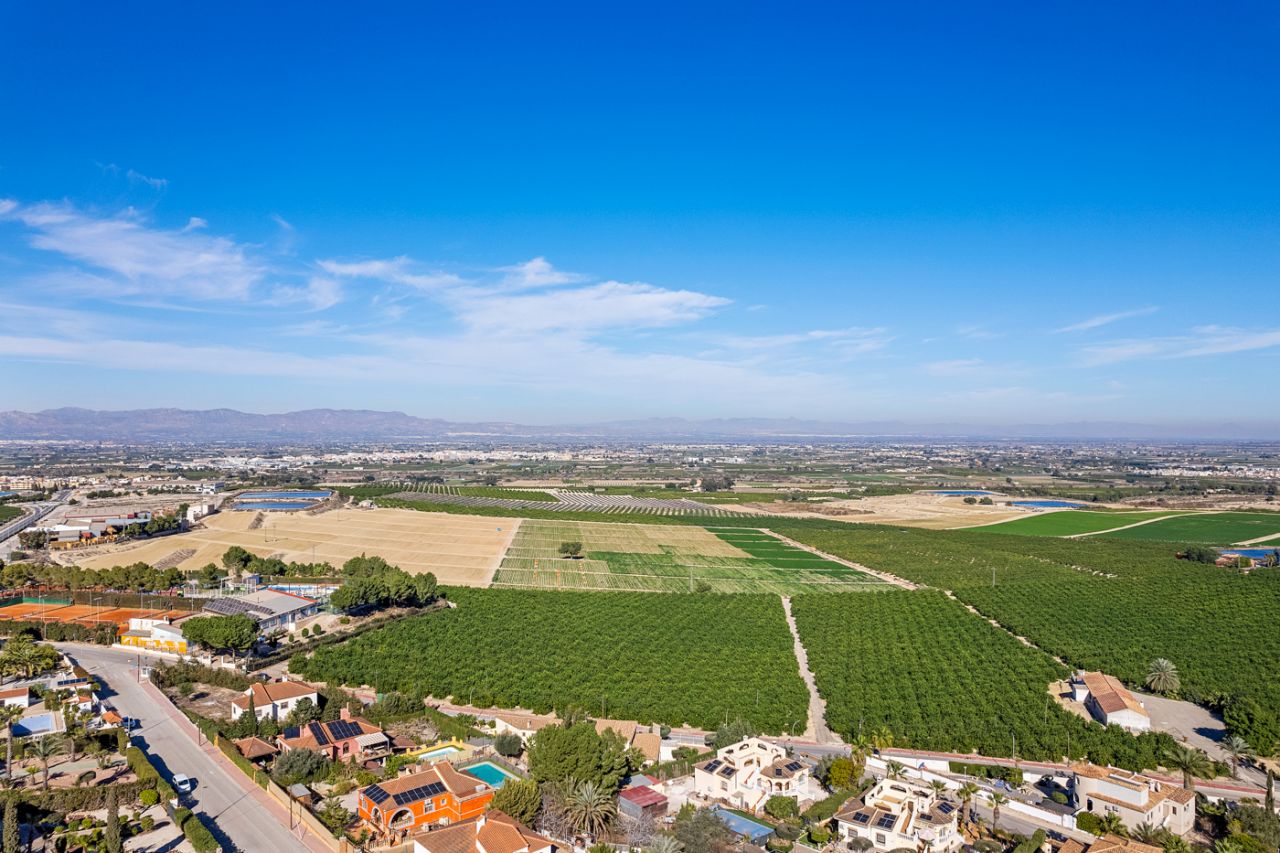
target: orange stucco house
440 795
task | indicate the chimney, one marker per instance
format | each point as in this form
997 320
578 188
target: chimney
345 713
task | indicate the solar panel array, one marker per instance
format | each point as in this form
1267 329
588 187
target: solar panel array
713 766
376 794
727 771
861 817
886 821
343 729
794 766
945 807
422 792
233 606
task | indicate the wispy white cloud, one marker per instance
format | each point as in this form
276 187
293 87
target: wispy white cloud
537 273
139 178
1202 341
976 333
393 271
955 367
857 339
1100 320
141 259
584 310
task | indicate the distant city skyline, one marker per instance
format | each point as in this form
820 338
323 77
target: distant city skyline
928 213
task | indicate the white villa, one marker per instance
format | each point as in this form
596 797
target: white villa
900 814
273 701
749 772
1134 797
1110 701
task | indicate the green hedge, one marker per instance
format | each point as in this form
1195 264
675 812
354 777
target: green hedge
63 800
199 835
1012 775
148 775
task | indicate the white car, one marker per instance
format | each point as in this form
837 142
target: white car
182 783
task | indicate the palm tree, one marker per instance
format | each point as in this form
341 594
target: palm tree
1162 676
895 769
589 809
665 844
996 800
882 737
1237 749
1175 844
939 787
9 714
1191 762
44 749
1148 834
1111 824
966 794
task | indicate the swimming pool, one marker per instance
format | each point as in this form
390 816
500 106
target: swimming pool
292 494
1049 504
960 492
36 724
1255 553
438 754
285 505
489 773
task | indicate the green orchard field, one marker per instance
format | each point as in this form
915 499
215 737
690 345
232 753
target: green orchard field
1099 603
1070 522
1216 528
689 659
8 513
940 678
655 558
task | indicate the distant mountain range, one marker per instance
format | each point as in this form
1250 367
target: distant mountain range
229 425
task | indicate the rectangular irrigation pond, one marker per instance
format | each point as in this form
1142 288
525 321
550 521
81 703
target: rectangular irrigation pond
1049 504
960 492
291 494
277 505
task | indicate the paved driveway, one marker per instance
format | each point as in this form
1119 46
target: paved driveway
244 822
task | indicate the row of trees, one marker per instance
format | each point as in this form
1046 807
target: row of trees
393 587
136 577
235 633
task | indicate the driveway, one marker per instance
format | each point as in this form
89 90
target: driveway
1194 725
243 820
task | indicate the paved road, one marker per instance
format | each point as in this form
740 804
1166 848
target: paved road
241 818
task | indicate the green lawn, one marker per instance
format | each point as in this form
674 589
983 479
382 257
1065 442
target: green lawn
8 513
1220 528
676 559
1070 522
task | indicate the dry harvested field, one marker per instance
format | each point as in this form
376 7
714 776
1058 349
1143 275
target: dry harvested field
459 549
936 512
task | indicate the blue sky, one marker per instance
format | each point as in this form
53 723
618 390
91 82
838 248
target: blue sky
550 212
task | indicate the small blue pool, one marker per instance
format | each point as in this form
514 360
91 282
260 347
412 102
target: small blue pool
489 773
742 826
1049 504
1254 553
36 724
960 492
283 505
291 494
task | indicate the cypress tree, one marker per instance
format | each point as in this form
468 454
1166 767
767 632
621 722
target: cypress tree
12 835
111 837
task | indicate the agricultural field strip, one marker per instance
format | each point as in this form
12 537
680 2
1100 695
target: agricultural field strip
1097 603
570 502
1077 522
938 677
674 659
1216 528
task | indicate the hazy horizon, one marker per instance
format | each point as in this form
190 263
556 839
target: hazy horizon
1000 216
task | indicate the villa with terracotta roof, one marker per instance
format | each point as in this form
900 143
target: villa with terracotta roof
273 701
492 832
647 739
1110 701
900 814
1110 844
256 749
348 738
1134 797
395 808
748 773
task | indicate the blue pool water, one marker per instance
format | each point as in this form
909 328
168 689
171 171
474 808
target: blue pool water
36 724
275 505
437 754
7 494
961 492
740 825
1255 553
489 773
295 494
1055 504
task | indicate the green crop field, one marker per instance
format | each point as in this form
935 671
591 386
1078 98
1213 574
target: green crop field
674 659
939 677
1218 528
8 513
1069 522
1100 603
655 558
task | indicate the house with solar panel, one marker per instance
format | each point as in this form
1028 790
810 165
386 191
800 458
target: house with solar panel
397 808
270 608
347 738
897 813
748 773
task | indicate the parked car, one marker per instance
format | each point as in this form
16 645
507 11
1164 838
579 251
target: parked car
182 783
